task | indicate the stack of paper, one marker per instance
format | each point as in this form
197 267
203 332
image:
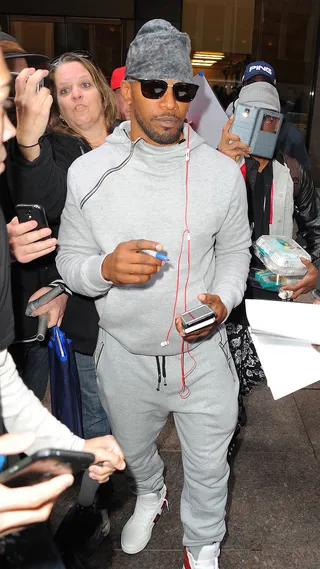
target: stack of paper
283 334
205 112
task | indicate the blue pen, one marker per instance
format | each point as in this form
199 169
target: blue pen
2 459
155 254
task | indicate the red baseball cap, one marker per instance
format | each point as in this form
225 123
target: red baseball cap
117 76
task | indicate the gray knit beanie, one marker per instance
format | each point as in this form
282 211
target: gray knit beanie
160 51
260 94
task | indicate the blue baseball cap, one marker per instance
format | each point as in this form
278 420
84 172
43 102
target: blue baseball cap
259 68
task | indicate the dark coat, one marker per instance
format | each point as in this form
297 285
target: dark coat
44 182
291 143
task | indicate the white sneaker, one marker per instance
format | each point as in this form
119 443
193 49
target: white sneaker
208 558
138 529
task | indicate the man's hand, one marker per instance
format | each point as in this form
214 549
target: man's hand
306 284
31 504
127 265
55 307
24 243
106 450
214 301
231 145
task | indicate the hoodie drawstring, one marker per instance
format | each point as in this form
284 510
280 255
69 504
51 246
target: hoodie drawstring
162 373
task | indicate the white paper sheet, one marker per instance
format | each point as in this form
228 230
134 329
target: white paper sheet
290 319
283 344
207 116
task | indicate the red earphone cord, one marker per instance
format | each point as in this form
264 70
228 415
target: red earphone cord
185 391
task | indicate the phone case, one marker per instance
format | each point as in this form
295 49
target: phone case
197 318
28 212
44 465
244 122
257 127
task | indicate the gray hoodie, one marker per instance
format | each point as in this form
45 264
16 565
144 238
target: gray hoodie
122 191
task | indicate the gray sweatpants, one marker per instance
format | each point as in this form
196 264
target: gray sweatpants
205 423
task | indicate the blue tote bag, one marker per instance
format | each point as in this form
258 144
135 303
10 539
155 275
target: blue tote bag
64 382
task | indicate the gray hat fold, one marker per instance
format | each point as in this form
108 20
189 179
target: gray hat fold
160 51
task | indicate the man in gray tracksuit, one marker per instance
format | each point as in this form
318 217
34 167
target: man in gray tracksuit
155 185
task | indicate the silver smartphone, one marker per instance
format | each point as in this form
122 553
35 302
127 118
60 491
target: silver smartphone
197 318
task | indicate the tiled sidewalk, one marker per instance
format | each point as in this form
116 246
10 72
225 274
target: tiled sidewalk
274 507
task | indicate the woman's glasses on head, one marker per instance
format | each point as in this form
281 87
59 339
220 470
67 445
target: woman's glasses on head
81 53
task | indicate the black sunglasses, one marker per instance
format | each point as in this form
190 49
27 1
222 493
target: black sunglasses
156 88
78 52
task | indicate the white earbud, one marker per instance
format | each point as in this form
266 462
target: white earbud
164 344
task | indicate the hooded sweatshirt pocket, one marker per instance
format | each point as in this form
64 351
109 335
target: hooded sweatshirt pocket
223 346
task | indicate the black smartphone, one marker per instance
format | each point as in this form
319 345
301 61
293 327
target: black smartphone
44 465
14 75
28 212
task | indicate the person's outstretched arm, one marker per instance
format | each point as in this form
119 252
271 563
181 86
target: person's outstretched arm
20 507
307 216
37 170
22 411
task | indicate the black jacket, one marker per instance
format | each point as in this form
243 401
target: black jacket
306 207
44 182
292 143
306 203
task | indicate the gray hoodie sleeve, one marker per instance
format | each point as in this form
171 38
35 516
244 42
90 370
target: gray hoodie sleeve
232 249
23 412
79 258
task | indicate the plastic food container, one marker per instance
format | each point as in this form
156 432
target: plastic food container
272 281
281 255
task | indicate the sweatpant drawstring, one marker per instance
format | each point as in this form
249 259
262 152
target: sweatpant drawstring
164 372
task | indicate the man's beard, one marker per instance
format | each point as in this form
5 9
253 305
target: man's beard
165 138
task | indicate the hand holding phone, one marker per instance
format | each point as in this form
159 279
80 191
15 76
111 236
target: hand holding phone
23 506
33 212
209 320
44 465
197 318
230 143
33 106
26 240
